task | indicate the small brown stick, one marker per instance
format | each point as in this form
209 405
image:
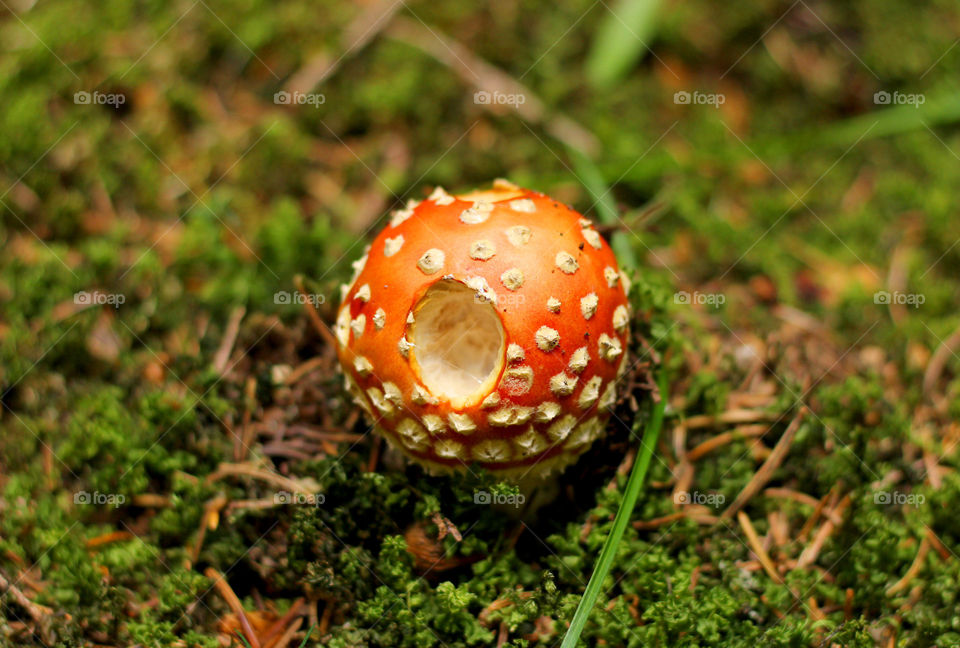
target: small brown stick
374 455
730 416
287 636
234 603
796 496
247 470
818 511
303 369
36 611
848 604
222 356
937 362
914 568
810 554
325 618
108 538
282 622
211 518
314 316
724 438
763 475
938 545
241 451
699 518
754 540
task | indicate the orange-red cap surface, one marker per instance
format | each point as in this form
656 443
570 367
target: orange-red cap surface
507 279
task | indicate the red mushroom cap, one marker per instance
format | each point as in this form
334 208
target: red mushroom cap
486 328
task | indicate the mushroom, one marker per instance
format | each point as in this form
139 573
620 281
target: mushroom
487 328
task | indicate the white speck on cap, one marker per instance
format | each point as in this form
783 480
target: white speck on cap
566 262
379 318
559 430
590 393
592 237
376 397
512 279
362 365
462 423
609 397
484 292
432 261
547 338
611 276
621 317
562 384
547 411
440 196
523 205
482 250
518 235
515 353
422 397
358 324
511 415
412 433
404 346
400 216
609 347
392 245
476 213
553 305
434 424
492 450
449 449
492 400
588 305
343 326
363 293
579 360
517 381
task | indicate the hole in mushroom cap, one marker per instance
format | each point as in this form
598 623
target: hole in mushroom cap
458 343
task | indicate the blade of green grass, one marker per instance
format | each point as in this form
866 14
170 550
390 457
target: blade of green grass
634 486
622 38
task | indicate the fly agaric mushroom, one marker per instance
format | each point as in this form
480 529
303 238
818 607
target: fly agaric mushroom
486 328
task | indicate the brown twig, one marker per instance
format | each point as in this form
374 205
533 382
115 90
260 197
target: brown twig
247 470
724 438
763 475
36 611
755 545
938 361
234 603
914 568
222 356
281 623
810 554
